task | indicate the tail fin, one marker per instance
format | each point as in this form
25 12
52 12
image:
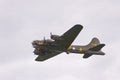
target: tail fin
94 48
94 42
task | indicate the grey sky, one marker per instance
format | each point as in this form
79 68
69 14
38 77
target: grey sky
22 21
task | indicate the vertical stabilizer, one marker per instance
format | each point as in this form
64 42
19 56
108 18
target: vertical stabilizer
94 42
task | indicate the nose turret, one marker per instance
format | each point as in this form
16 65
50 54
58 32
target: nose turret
37 43
34 44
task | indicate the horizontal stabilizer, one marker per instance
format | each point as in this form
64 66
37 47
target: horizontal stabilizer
97 48
87 55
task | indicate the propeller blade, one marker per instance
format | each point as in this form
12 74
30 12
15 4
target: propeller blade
50 33
44 40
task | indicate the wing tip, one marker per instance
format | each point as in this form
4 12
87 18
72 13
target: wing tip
39 59
79 26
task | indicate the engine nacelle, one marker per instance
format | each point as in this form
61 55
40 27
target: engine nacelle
55 37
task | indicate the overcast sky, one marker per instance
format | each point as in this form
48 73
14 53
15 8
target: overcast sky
22 21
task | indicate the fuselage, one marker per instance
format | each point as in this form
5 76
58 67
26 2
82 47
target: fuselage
83 50
49 45
42 46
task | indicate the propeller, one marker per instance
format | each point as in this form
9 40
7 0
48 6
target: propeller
44 40
51 35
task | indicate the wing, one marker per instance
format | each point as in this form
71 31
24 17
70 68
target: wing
69 36
46 56
67 39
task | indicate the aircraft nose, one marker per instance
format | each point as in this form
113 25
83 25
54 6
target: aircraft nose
34 44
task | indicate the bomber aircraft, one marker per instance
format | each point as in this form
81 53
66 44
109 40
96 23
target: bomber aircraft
49 48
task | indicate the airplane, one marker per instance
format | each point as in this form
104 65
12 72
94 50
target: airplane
48 48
